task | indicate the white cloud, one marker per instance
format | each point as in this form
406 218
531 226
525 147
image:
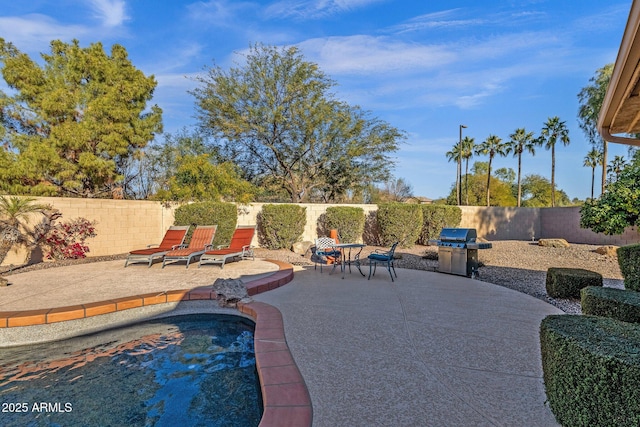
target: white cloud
221 13
33 33
110 12
314 9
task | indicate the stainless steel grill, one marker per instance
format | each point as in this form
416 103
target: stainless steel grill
458 251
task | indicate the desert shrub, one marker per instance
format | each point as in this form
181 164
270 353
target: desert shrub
224 215
618 304
629 261
348 220
399 222
435 218
281 225
591 370
67 240
567 282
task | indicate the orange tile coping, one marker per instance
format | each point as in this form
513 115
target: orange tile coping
285 396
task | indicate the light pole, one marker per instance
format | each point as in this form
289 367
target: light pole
459 177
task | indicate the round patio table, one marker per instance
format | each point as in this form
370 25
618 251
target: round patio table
345 249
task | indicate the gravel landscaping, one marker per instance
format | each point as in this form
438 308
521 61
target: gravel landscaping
517 265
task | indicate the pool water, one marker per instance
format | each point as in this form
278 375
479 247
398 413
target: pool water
181 371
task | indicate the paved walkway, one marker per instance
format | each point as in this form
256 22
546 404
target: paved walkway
428 350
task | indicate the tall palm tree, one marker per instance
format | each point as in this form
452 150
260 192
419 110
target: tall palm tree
491 146
455 156
615 167
519 142
14 215
553 130
466 152
592 160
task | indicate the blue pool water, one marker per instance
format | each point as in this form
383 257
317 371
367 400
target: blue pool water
181 371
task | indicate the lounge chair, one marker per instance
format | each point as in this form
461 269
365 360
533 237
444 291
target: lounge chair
173 238
384 257
201 240
239 247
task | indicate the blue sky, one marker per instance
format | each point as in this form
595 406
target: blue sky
423 66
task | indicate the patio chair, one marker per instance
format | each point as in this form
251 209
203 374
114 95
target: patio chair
385 257
325 247
239 247
173 238
201 241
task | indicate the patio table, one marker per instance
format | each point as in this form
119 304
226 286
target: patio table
345 249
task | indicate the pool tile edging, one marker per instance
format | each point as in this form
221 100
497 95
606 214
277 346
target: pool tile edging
286 400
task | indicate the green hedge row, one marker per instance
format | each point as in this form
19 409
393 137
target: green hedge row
629 261
280 226
224 215
348 220
591 368
618 304
567 282
399 222
435 218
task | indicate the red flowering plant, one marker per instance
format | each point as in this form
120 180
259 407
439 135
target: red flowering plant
67 240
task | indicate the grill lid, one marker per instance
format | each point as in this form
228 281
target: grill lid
464 235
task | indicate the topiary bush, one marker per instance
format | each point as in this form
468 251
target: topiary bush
618 304
348 220
435 218
224 215
399 222
629 262
281 225
567 282
591 370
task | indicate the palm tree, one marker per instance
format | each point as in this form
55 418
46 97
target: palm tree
592 160
455 156
466 152
491 146
553 130
615 167
14 215
521 141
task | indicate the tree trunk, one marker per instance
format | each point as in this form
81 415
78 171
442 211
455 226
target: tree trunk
466 182
604 167
5 247
593 178
519 171
553 175
489 180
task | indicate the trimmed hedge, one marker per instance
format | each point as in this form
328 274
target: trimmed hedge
618 304
567 282
399 222
224 215
629 262
435 218
281 225
591 370
348 220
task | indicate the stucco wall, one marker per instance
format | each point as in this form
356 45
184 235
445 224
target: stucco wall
124 225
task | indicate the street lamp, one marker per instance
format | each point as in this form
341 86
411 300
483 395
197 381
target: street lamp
459 177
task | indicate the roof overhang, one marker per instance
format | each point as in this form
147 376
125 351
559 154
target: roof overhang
619 117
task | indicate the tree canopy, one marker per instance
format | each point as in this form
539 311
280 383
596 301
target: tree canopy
275 117
619 206
74 122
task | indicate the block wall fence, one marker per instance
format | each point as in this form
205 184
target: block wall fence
124 225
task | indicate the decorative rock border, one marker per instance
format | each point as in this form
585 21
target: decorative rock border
285 396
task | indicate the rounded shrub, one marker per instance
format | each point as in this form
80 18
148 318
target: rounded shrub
629 261
348 220
399 222
591 370
281 225
224 215
435 218
618 304
567 282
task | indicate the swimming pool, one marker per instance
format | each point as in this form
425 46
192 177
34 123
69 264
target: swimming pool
186 370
